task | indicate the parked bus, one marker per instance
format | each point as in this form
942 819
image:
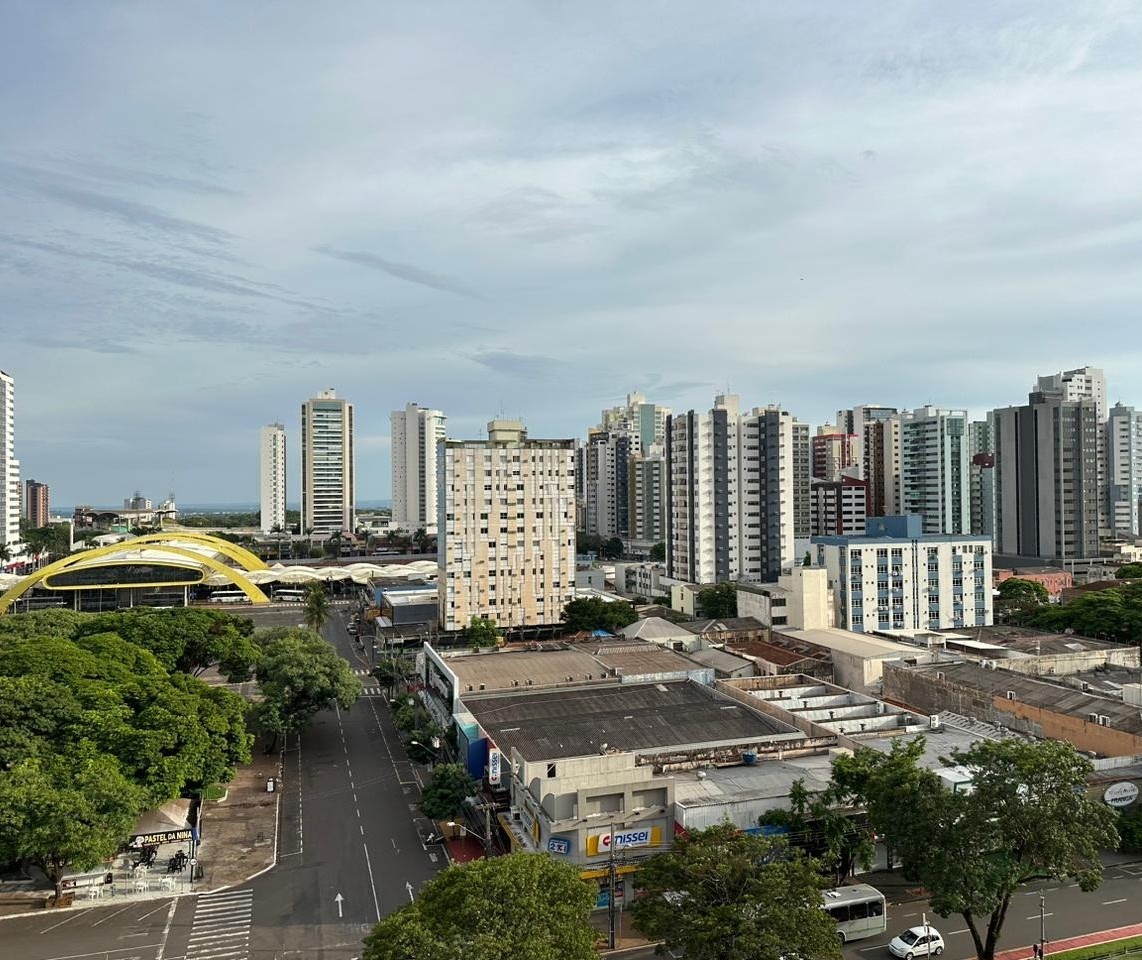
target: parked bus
289 596
229 596
858 911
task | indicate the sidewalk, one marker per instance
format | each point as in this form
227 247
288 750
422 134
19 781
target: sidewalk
237 841
626 936
1071 943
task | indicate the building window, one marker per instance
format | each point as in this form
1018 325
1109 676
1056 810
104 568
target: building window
550 770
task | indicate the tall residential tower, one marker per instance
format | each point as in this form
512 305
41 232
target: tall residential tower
272 464
9 465
327 467
416 433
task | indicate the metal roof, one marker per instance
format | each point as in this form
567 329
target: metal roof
644 718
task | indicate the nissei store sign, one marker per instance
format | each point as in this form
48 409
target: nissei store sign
495 766
1121 794
600 843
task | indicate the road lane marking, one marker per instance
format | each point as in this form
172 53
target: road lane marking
1038 915
106 954
110 915
372 886
1107 903
166 930
150 913
78 913
358 813
361 827
954 932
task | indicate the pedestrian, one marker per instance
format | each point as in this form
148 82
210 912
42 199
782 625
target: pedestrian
1036 951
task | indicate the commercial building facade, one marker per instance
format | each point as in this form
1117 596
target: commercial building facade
328 487
416 434
272 487
896 577
506 528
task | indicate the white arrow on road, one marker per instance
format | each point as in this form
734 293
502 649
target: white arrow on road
408 887
340 899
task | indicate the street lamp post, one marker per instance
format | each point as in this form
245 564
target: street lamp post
1042 925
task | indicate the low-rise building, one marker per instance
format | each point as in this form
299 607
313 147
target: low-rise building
717 633
858 659
591 770
801 599
664 632
784 655
1054 579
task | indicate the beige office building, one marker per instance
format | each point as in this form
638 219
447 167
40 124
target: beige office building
506 528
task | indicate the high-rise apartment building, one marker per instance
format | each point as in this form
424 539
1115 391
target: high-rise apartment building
9 465
606 462
272 470
839 506
37 504
895 577
1083 383
328 490
1123 452
738 492
834 451
648 496
506 528
878 428
645 422
1049 493
935 481
981 449
416 435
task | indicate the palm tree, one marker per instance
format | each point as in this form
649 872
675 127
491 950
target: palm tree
422 540
317 606
5 553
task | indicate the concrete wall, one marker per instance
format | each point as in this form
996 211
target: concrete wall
1068 664
923 691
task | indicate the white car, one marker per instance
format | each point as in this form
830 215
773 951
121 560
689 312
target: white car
917 942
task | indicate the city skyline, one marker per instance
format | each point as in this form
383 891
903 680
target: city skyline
534 213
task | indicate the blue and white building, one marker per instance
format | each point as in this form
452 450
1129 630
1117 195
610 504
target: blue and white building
895 577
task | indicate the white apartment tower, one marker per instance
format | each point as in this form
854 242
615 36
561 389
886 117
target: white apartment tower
9 465
1123 449
273 477
506 528
1083 383
328 486
739 495
416 434
935 480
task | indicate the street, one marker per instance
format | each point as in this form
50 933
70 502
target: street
1069 912
349 852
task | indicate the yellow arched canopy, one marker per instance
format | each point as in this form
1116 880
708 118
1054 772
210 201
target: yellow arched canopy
165 542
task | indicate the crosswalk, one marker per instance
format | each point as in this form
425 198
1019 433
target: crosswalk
221 926
370 690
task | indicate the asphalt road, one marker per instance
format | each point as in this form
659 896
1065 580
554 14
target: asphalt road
348 828
1069 912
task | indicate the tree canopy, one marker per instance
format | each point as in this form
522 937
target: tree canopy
658 553
720 894
317 606
184 640
1028 814
526 906
1129 571
595 613
720 601
299 675
482 632
443 796
1113 614
95 729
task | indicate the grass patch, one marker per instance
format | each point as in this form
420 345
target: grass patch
216 792
1130 947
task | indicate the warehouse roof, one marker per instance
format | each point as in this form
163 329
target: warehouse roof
644 718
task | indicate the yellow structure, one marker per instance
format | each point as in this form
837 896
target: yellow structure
183 551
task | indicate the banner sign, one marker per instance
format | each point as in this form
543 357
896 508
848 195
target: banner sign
600 843
558 845
495 767
166 836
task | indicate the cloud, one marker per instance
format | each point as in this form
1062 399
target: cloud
130 212
517 365
402 271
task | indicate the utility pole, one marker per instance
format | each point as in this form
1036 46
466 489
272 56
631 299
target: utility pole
1042 925
611 898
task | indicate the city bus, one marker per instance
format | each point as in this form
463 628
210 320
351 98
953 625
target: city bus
858 911
289 596
229 596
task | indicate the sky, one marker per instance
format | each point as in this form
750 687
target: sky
212 211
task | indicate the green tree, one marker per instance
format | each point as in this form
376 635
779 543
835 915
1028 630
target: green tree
482 632
720 601
66 811
525 906
50 542
827 827
725 895
1129 571
595 613
587 543
658 553
444 795
299 675
390 673
422 539
317 608
612 549
1027 815
186 640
